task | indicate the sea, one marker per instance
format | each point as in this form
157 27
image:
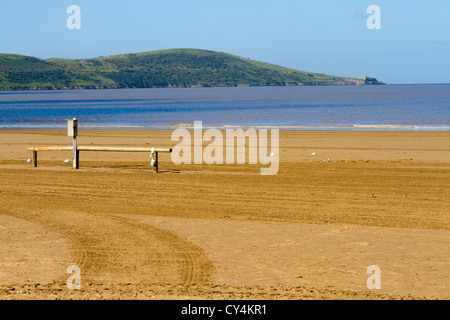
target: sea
359 107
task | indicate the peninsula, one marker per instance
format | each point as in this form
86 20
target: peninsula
156 69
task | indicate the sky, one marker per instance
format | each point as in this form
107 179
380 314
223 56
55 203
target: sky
324 36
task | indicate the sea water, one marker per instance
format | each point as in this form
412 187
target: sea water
383 107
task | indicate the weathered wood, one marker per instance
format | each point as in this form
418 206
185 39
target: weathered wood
123 149
93 148
50 149
72 127
76 161
76 152
154 162
35 159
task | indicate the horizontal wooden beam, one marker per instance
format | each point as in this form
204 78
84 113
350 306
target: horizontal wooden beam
50 149
123 149
94 148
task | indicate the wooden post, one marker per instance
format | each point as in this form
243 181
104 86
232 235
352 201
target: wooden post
154 162
76 154
72 131
34 158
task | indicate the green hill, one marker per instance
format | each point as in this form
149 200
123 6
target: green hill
165 68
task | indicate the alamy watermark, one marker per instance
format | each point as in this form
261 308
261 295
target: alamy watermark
73 22
374 281
190 148
374 20
74 281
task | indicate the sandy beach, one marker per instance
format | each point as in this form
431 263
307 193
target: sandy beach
225 231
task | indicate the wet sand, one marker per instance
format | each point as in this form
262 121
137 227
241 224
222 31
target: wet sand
225 231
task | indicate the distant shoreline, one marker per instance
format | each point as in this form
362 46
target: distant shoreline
364 128
200 86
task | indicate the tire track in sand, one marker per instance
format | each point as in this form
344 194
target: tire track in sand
196 267
112 251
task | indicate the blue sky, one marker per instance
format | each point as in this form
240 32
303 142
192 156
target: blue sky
326 36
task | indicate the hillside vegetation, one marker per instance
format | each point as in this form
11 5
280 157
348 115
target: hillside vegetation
165 68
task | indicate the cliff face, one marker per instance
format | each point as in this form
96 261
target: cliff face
166 68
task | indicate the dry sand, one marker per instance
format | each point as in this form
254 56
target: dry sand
225 231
